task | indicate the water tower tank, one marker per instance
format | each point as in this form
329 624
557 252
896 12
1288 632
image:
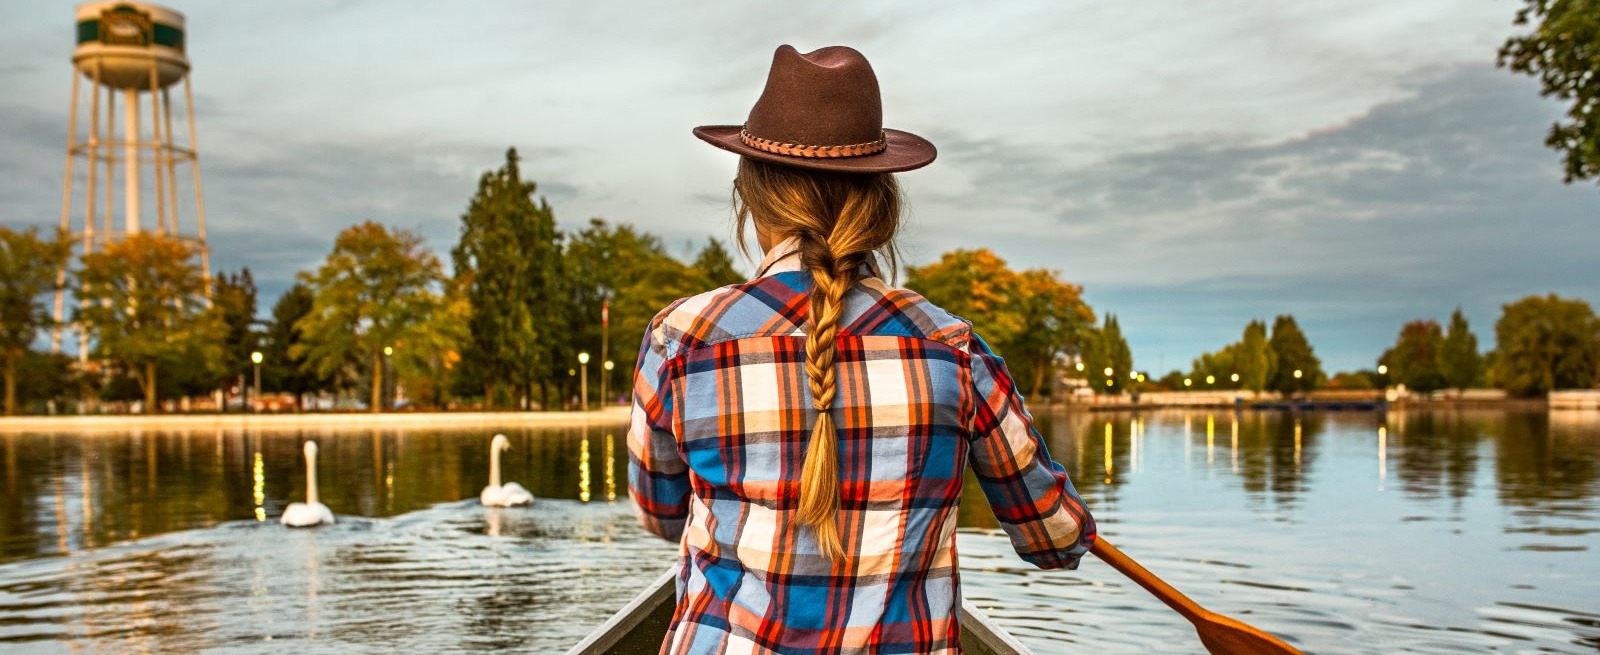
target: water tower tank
118 41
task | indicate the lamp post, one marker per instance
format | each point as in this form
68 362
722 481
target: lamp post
607 366
383 380
583 380
255 358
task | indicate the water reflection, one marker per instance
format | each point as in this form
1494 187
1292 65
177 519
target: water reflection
1474 534
65 492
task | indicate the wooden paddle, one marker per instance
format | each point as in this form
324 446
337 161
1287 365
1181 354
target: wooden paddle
1220 634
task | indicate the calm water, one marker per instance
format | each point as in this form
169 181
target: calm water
1414 532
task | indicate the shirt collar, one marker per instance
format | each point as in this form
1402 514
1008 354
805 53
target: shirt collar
784 256
781 257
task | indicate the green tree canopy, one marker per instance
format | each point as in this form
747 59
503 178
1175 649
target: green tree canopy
284 367
28 266
144 305
619 265
508 264
1459 360
1563 51
1414 359
233 299
714 266
373 289
1292 352
1105 349
1544 343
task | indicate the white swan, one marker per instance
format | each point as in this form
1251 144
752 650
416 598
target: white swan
496 494
311 512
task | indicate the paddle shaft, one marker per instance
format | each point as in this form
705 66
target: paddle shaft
1172 597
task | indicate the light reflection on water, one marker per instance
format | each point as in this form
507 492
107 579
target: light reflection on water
1348 533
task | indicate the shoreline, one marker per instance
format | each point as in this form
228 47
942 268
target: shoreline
121 422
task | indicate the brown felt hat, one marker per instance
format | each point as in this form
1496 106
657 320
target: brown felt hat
821 110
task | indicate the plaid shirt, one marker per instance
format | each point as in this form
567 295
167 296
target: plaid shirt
721 418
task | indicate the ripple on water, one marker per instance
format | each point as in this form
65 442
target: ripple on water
453 577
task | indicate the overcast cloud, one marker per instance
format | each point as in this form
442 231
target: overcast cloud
1193 165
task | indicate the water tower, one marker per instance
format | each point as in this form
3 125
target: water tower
132 55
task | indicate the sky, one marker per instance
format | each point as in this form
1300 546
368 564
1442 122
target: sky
1355 163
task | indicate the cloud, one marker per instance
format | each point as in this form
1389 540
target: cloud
1443 197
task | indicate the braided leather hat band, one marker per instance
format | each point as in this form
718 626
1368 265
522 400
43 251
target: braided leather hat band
797 150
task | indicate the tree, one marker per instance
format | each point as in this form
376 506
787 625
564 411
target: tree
629 270
977 286
1030 317
714 266
1298 368
283 366
234 301
373 288
1251 358
1458 359
1545 343
508 262
1414 360
1105 349
144 305
28 265
428 355
1563 51
1054 320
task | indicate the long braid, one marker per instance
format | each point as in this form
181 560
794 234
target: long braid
819 477
840 220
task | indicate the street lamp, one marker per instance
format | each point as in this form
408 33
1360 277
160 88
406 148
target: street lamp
583 377
1133 375
607 366
255 358
1211 379
1108 371
1188 382
383 379
1079 366
1234 377
1297 374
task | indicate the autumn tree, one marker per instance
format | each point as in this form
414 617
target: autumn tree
1414 359
1459 360
1544 343
144 307
1563 51
1297 367
28 266
508 263
374 288
1032 317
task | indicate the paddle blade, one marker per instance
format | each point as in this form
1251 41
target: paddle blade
1225 636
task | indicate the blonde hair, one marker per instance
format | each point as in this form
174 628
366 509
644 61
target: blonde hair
841 220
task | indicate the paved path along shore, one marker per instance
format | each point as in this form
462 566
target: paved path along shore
120 423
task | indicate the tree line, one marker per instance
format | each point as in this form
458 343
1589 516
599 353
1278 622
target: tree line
505 326
502 329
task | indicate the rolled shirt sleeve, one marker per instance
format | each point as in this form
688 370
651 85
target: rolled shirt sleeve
658 477
1035 502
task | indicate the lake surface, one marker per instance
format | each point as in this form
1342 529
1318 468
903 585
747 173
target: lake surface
1417 532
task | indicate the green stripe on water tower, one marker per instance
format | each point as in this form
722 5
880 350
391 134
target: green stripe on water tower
161 34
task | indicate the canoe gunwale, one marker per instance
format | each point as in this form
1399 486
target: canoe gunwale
980 635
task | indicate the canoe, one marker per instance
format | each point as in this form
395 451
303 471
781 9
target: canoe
639 627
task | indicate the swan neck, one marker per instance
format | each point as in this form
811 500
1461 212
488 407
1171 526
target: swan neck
494 466
311 479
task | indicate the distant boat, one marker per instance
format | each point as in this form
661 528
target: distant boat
639 628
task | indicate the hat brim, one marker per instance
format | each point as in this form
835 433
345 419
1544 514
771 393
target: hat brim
906 151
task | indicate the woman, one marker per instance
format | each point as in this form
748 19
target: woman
803 435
